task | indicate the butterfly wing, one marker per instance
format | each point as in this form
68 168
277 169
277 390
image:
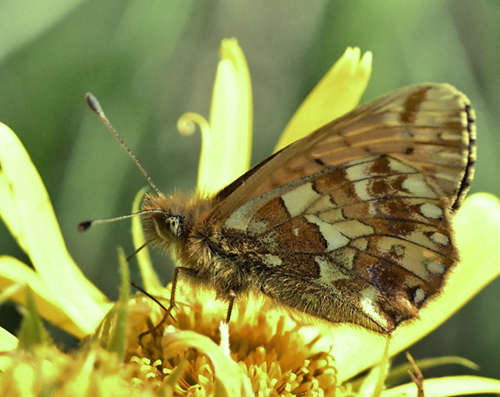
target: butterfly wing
430 126
352 223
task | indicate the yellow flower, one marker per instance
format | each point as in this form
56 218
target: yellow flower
262 351
227 138
62 293
336 94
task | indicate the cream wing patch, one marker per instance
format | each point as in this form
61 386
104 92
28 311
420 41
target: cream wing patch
370 305
299 199
431 211
334 238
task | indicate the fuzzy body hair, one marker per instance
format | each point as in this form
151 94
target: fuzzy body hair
201 245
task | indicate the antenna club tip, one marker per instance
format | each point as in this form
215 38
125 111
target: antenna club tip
84 226
93 103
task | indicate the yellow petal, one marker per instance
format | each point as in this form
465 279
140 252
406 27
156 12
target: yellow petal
150 279
229 378
336 94
12 271
27 212
477 230
448 386
226 154
8 342
374 382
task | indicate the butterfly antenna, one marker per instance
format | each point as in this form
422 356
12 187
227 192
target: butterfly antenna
95 106
83 226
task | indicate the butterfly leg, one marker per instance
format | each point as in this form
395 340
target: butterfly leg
168 312
416 377
232 297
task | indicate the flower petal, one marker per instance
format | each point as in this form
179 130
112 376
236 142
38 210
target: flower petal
229 378
12 271
477 229
477 235
8 342
27 212
226 154
448 386
336 94
373 384
150 279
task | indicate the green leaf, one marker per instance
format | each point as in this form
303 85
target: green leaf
118 333
32 333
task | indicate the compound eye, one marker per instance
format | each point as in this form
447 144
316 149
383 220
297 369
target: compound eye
174 226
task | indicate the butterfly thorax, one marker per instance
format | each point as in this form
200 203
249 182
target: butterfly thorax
184 228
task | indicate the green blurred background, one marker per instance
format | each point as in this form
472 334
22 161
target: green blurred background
150 61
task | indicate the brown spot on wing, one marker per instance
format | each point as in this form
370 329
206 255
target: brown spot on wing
412 105
397 281
382 166
330 181
300 265
297 235
271 214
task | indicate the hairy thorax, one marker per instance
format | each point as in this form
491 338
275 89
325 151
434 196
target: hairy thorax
184 228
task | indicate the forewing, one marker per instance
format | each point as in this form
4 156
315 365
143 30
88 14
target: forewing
430 126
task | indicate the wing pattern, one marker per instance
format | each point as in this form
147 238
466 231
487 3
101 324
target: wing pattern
352 223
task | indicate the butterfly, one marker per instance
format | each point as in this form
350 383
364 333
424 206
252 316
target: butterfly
352 223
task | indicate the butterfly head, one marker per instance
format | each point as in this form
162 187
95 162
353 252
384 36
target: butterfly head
164 222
